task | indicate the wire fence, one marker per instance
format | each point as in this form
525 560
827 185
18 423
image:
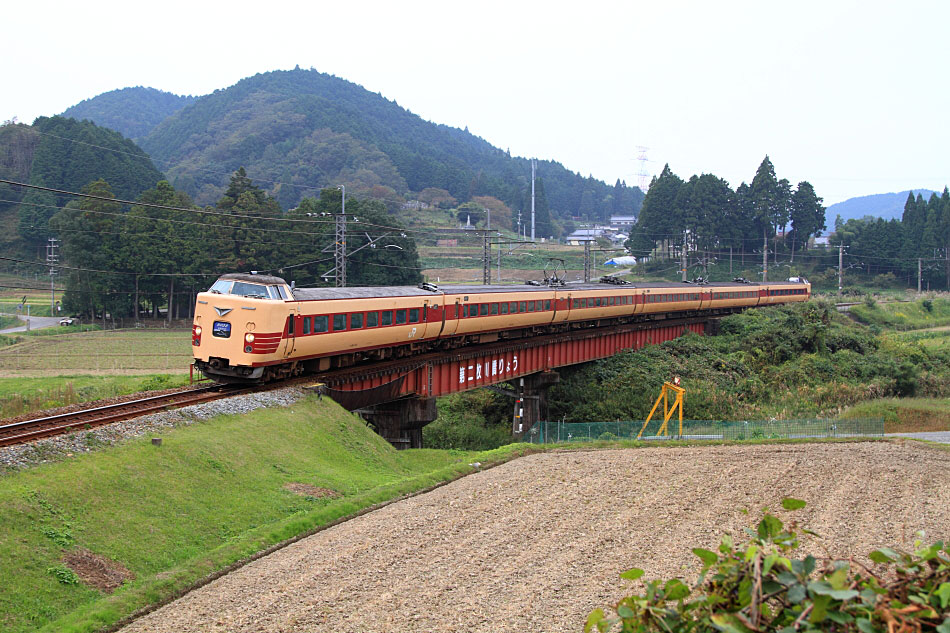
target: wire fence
552 432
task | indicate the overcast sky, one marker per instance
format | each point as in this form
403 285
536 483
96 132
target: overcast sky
851 96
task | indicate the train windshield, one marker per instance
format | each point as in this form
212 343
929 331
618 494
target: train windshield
244 289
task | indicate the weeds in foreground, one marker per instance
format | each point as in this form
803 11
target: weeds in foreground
758 587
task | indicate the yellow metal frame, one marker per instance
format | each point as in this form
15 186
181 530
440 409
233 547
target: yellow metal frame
667 409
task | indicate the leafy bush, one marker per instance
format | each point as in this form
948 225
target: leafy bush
759 587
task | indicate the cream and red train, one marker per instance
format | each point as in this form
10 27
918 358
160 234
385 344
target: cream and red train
251 328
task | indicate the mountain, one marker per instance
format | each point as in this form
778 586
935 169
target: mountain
133 112
65 154
882 205
296 131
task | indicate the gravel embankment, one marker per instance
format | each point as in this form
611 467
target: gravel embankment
535 544
61 447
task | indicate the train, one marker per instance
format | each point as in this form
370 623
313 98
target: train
256 328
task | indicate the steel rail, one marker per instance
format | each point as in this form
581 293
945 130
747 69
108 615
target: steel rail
38 428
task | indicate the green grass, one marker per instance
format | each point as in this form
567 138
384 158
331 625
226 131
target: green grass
113 351
23 395
905 415
905 316
8 321
211 495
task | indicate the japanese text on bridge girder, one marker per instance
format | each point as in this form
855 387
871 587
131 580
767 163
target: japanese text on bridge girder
487 369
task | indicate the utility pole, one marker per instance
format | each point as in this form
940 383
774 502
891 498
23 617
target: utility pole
765 258
587 261
919 274
730 261
534 165
51 259
519 221
486 259
683 257
841 248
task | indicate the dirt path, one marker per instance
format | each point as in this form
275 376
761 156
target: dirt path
535 544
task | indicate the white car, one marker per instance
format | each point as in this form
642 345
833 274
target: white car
67 321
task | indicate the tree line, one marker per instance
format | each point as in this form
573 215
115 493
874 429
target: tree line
921 238
705 213
145 257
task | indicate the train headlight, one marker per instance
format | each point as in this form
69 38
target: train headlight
197 330
249 338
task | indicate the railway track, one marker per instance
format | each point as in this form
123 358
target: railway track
38 428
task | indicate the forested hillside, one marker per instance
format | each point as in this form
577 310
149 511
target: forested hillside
65 154
133 112
889 206
297 131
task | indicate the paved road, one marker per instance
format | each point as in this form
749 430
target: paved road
36 323
935 436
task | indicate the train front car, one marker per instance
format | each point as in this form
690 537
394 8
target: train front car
240 325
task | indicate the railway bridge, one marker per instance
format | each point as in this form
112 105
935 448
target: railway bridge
398 397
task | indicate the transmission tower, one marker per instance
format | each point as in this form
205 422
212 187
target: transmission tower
643 177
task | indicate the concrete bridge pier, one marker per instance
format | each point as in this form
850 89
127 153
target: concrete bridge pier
532 405
400 422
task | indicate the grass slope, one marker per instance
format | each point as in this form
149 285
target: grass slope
916 315
905 415
211 495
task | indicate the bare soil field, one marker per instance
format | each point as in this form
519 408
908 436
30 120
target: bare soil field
537 543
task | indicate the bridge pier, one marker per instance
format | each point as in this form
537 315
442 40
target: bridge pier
532 405
400 422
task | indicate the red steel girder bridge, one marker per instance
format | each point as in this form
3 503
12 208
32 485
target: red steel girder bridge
398 397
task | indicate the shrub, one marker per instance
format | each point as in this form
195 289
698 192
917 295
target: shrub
760 587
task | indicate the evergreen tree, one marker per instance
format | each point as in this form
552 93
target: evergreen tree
806 213
657 220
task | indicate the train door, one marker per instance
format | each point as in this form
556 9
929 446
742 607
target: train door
290 333
427 313
450 316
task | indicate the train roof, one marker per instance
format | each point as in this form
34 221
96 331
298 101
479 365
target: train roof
254 278
368 292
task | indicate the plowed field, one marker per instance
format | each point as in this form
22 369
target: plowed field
535 544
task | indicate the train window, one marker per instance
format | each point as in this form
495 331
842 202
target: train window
282 292
531 306
523 307
372 319
290 325
494 308
320 324
255 291
386 317
400 317
306 325
339 322
513 307
221 287
504 308
356 321
547 304
483 310
413 315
